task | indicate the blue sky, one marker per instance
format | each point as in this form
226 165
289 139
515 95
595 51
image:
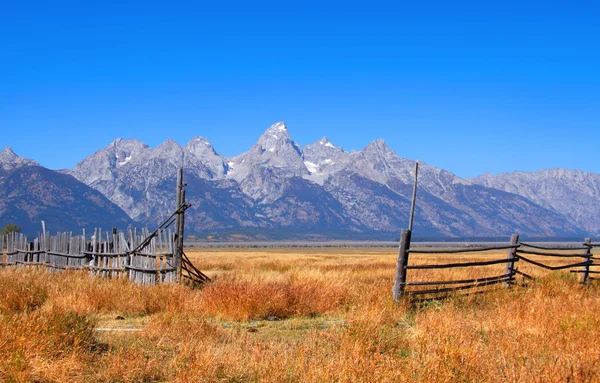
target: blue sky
465 86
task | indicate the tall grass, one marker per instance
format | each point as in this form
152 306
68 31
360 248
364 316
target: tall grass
294 317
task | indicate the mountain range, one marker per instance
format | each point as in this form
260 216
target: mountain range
278 189
30 193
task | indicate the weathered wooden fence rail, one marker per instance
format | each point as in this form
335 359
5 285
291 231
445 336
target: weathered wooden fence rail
516 252
109 254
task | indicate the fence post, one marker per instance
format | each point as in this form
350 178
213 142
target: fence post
512 254
588 256
398 289
178 226
181 236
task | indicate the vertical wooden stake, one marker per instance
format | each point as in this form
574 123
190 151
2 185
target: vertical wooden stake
512 253
414 198
181 236
399 285
588 256
178 226
44 234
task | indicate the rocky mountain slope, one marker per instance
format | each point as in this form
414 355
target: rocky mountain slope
571 193
30 193
9 160
277 185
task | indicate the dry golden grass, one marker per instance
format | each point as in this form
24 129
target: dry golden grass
297 315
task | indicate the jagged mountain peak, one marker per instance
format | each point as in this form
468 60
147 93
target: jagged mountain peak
9 159
199 142
200 147
7 151
276 138
278 127
169 143
323 145
325 142
169 150
378 154
323 158
274 142
380 146
274 158
127 145
202 152
122 140
121 151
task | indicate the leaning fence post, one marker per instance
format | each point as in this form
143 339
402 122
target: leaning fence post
588 257
510 259
399 285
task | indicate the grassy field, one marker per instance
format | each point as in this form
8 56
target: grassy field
297 315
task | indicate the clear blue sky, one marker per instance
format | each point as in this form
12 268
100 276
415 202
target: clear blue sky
459 85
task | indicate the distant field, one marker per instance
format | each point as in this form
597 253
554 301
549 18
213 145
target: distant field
297 315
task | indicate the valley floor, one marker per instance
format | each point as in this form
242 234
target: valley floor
297 315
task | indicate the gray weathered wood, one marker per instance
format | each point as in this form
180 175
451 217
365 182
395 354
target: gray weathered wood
588 256
179 259
414 198
512 253
398 289
179 223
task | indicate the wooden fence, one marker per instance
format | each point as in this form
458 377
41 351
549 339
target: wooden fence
143 257
579 260
147 258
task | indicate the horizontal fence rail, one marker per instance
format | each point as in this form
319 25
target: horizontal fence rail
483 282
463 250
459 264
105 254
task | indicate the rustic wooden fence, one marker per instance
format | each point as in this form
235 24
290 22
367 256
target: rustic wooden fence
147 258
578 259
106 254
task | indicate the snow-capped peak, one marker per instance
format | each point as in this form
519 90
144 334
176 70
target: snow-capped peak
275 139
276 131
200 140
278 126
325 142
